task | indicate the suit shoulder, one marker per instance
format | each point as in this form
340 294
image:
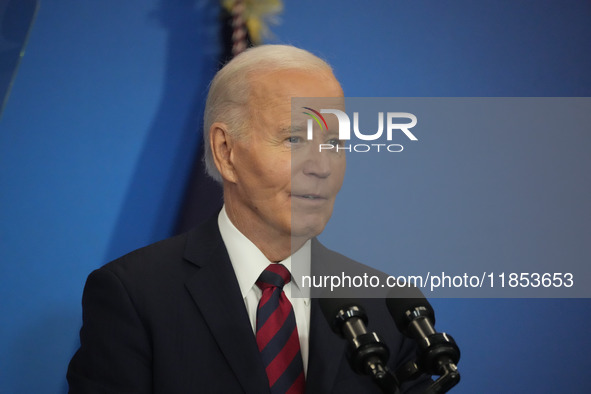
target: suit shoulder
150 256
170 256
328 261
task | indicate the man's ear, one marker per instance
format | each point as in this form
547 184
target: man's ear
222 143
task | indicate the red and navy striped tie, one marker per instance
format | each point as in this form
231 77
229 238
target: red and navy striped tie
277 334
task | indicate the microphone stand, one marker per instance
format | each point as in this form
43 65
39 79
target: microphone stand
386 381
438 355
368 355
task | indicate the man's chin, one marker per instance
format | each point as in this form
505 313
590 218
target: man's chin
306 230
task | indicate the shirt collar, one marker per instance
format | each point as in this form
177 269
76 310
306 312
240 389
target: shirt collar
249 262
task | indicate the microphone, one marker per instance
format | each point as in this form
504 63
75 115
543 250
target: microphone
438 352
367 353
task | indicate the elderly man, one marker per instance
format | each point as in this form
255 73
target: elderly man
212 310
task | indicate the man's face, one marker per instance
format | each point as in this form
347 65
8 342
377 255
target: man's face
284 185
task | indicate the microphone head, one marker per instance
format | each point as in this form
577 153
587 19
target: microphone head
337 311
406 304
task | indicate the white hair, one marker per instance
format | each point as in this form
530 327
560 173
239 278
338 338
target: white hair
227 100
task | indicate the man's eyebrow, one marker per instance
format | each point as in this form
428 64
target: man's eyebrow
291 129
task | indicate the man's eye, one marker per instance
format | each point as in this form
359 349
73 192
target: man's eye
335 142
294 140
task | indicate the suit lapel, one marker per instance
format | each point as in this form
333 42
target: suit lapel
215 290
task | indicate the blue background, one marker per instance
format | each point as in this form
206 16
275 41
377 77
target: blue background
493 185
97 139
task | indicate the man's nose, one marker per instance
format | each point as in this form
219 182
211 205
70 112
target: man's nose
317 163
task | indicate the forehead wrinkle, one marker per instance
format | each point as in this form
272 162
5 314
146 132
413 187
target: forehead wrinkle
272 89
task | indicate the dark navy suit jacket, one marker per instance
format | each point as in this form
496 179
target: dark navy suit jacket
170 319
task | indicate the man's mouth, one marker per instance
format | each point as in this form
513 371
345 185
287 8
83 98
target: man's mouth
309 196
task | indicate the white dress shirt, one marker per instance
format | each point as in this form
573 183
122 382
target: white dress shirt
249 262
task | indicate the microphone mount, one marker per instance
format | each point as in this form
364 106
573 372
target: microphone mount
437 354
367 353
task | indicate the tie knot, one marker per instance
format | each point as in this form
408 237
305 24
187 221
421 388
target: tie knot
275 275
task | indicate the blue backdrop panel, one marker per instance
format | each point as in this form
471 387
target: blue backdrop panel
16 19
96 142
